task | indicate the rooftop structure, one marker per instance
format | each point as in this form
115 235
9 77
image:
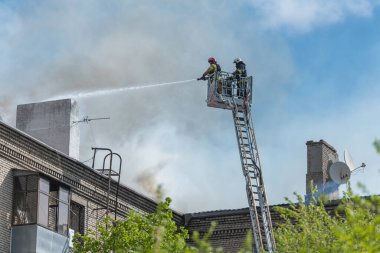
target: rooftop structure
52 123
320 156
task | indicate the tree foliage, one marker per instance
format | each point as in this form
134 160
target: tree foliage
353 227
148 233
155 232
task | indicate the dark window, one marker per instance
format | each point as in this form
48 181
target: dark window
40 200
77 217
53 209
25 200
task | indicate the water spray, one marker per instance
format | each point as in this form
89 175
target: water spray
86 94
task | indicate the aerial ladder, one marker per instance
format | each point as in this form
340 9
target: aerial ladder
227 92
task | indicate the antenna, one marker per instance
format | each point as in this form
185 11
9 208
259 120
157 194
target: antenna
87 120
340 172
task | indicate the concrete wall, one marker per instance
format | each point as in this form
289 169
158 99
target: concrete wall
52 123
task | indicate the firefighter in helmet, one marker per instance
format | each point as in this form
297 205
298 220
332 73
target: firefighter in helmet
210 71
214 67
240 74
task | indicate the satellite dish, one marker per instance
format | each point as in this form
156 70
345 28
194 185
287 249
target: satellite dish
348 160
340 172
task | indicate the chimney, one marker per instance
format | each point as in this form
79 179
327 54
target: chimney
52 123
320 156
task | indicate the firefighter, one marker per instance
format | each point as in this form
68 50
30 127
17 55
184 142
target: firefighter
210 71
240 74
214 67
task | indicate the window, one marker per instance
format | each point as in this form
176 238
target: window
77 217
41 200
43 207
63 210
25 200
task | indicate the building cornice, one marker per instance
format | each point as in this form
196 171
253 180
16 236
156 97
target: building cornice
30 153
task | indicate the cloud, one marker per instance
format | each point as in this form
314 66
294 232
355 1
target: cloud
303 16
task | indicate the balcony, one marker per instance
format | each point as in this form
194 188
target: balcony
32 238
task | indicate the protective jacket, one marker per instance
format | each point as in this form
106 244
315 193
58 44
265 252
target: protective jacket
240 70
214 67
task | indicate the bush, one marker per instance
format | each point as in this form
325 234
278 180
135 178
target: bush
353 227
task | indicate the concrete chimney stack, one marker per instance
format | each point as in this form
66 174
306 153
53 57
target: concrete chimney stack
52 123
320 156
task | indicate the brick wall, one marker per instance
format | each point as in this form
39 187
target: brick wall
6 190
320 156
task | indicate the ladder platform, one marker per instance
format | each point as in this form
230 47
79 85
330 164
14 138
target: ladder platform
225 92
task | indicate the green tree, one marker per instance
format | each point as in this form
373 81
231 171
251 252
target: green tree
147 233
359 228
305 228
155 232
353 227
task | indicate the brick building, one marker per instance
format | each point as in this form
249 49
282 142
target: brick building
46 194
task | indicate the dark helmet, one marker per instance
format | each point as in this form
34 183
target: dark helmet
211 60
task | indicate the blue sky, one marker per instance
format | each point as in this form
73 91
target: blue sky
316 76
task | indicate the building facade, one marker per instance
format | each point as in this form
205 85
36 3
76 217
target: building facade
47 195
